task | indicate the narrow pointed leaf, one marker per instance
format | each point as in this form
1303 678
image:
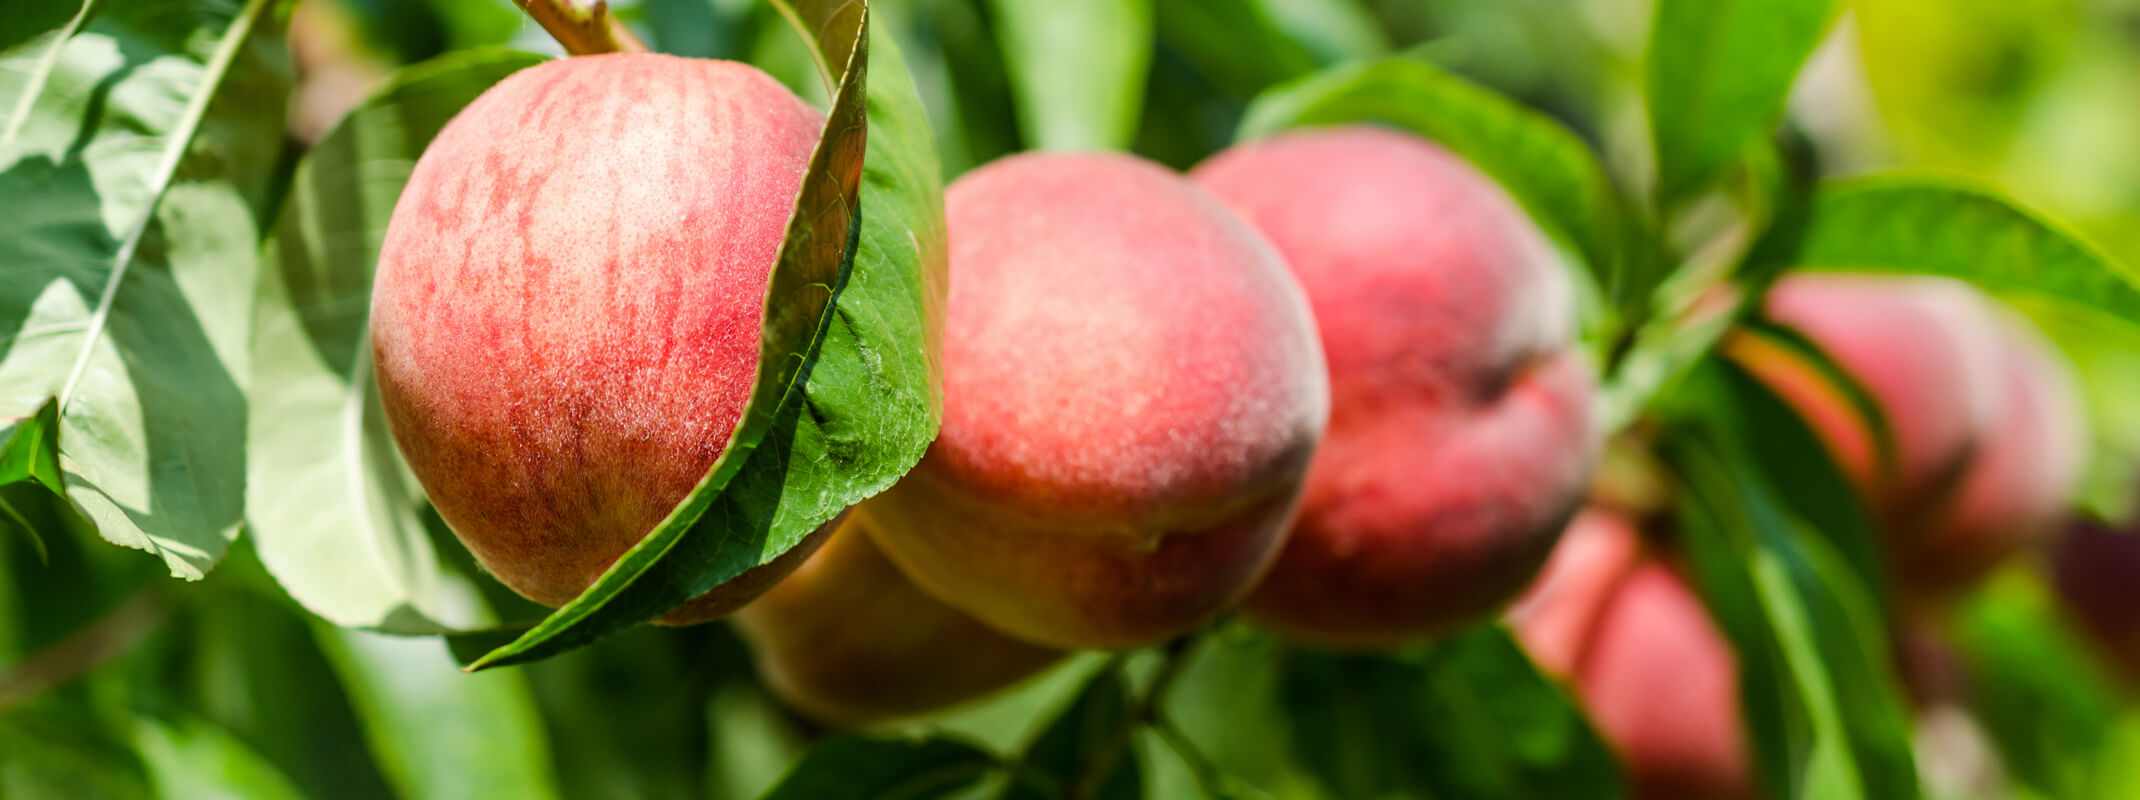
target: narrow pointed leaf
1717 77
1910 225
1077 69
1826 715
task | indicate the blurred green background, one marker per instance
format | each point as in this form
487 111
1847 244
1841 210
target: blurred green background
117 681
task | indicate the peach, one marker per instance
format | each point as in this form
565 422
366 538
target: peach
1461 437
847 639
1132 390
1987 435
1654 673
566 316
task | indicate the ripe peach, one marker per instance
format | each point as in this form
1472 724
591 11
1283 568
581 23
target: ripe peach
1460 437
566 315
847 639
1983 415
1132 390
1656 676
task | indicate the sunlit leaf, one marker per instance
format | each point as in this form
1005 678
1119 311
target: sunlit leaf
436 732
1077 69
1901 224
135 168
189 758
330 505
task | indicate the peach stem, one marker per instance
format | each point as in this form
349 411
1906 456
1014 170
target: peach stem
584 28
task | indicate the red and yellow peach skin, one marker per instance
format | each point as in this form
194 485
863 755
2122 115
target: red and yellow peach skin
1132 392
1649 666
1987 434
1461 437
847 639
566 316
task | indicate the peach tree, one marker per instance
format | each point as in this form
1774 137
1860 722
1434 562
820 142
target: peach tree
1009 398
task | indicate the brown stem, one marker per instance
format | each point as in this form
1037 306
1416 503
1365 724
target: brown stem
99 641
583 27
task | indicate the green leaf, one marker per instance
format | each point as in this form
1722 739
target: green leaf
46 753
131 182
872 768
329 503
756 741
435 732
1543 165
1077 69
1469 717
1896 224
1794 460
1086 751
2041 690
29 453
1825 715
1717 76
870 401
1520 735
36 54
1226 703
1331 30
241 658
1243 46
638 716
194 759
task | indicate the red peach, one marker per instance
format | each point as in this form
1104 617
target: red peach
1132 390
1461 437
847 639
1556 616
1656 676
2022 478
1982 413
566 315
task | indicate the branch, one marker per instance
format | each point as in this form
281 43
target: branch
583 27
108 636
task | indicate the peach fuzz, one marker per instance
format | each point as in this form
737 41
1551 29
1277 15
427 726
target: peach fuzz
847 639
1987 434
1648 665
566 316
1132 391
1461 437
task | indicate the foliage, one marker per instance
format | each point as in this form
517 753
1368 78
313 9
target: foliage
185 370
